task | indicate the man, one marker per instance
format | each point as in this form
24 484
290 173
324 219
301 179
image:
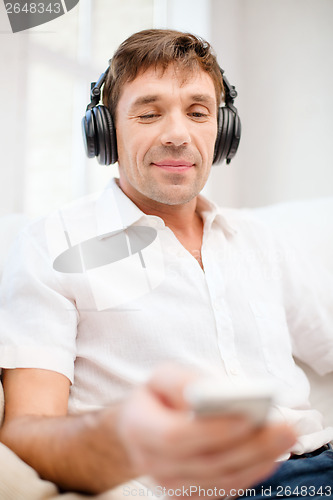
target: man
90 402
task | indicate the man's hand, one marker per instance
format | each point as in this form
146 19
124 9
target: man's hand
164 441
150 433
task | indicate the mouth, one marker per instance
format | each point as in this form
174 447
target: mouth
179 165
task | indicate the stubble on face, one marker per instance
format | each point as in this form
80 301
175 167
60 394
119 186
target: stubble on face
167 187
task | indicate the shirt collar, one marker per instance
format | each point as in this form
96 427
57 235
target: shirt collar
115 212
210 213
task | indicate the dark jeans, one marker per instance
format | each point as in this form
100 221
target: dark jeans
310 477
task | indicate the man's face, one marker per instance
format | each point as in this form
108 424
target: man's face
166 128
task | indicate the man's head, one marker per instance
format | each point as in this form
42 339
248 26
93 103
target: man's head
163 90
158 49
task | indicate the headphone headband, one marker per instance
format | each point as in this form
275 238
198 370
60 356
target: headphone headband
95 89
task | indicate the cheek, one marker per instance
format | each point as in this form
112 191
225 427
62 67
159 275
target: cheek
214 133
214 137
208 140
132 144
125 145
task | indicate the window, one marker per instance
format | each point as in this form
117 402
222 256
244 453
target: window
53 67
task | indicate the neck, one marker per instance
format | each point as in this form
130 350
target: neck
181 219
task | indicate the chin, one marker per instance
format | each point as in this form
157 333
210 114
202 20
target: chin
175 195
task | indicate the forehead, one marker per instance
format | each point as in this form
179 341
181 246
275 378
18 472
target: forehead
167 83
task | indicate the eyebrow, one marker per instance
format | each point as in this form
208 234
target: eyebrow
204 98
145 99
152 98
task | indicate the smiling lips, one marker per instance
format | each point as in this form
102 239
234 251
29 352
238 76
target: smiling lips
179 165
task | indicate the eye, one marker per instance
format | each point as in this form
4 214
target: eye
148 117
198 116
198 113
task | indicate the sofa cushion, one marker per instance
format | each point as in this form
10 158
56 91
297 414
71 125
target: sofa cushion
307 225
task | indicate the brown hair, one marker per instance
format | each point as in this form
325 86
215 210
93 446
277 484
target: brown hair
158 48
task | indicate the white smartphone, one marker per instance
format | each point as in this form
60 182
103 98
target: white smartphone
213 397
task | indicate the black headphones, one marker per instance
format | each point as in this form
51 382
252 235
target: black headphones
99 133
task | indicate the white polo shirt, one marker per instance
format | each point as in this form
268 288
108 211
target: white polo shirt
103 293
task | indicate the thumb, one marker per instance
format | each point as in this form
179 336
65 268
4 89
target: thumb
168 382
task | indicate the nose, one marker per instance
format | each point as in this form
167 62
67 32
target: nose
175 130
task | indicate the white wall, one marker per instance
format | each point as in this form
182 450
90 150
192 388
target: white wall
184 15
278 53
45 75
13 63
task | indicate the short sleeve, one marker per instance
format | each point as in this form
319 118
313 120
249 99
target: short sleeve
38 317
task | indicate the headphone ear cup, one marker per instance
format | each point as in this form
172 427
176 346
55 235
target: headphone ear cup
222 129
112 135
89 134
99 135
216 157
235 138
227 139
103 136
228 135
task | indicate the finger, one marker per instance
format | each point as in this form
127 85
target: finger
155 436
264 446
176 436
228 484
168 382
184 437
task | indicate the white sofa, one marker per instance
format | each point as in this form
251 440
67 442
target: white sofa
308 225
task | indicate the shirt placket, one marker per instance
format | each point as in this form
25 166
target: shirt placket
216 287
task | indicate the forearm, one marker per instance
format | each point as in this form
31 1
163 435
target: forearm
154 426
81 453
